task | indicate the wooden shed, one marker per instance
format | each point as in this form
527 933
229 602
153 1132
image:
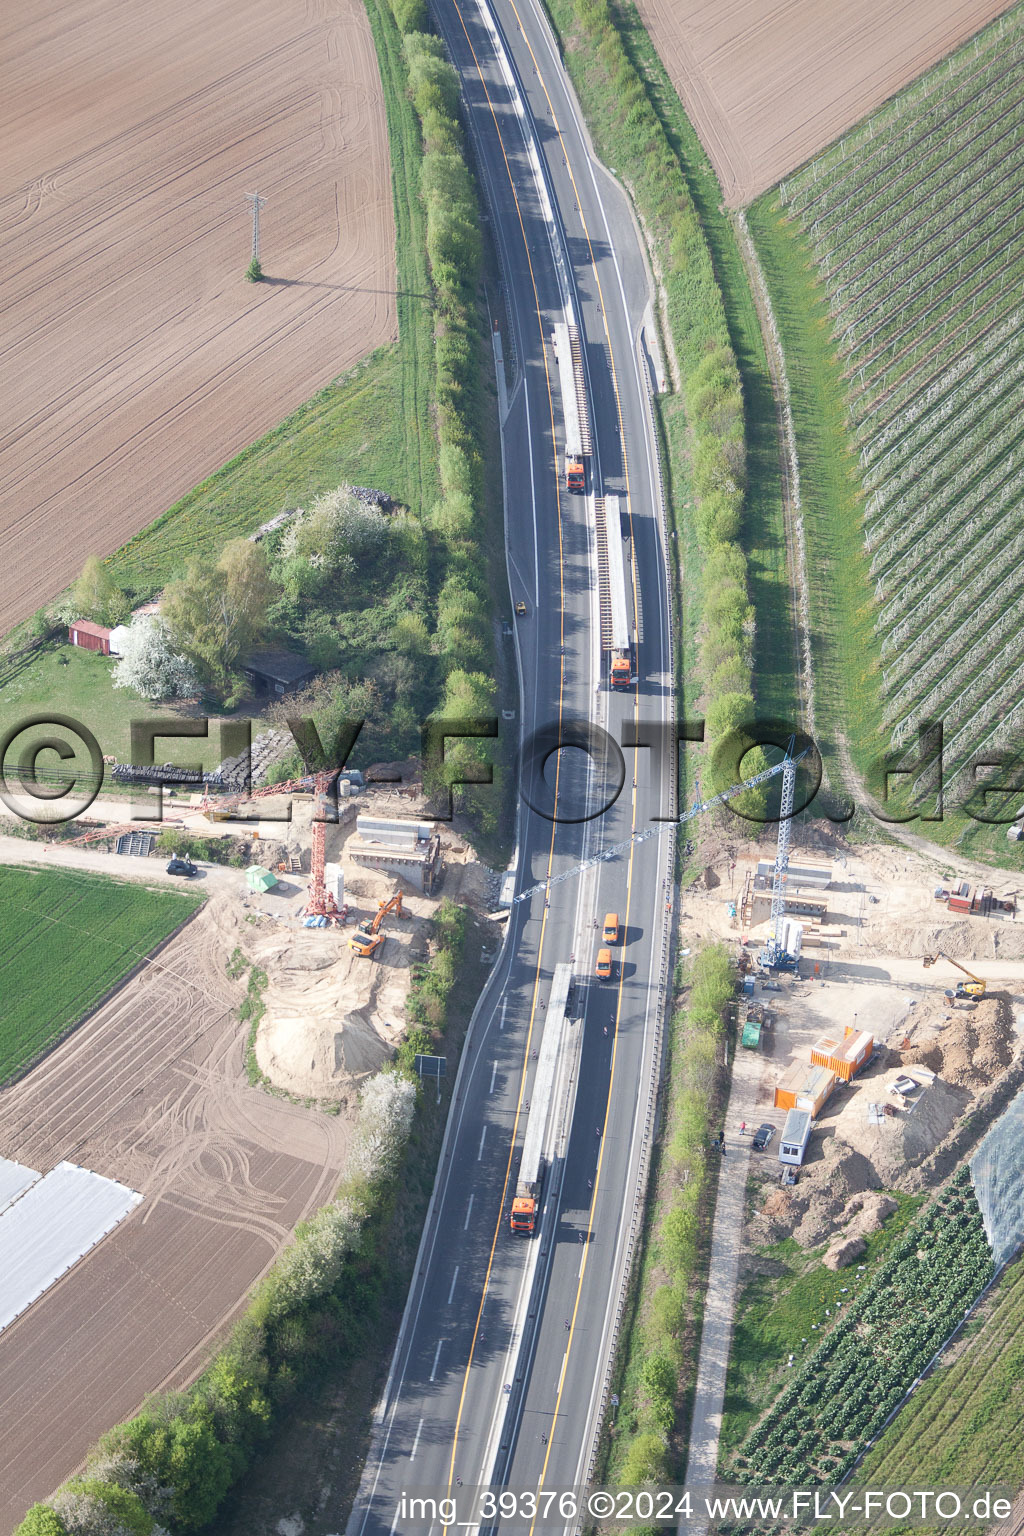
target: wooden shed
843 1056
89 636
804 1086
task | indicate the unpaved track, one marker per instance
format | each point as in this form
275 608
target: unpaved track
150 1091
767 83
135 358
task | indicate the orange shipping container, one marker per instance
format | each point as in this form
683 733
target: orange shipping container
846 1056
804 1086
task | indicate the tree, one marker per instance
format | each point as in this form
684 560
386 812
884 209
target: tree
96 595
150 664
328 544
41 1520
216 613
90 1507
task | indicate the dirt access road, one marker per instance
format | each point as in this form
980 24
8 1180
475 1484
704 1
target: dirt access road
767 85
136 359
151 1091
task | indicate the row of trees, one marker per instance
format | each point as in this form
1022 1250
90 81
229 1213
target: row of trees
648 1416
463 637
630 136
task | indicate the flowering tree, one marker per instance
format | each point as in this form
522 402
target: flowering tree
151 666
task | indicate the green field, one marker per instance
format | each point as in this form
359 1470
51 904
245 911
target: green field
68 938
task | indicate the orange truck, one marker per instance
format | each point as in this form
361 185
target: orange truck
533 1164
572 385
621 633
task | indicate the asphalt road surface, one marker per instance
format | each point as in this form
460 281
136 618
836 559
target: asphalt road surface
489 1311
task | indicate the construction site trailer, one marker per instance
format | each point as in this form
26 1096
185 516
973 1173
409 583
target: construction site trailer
805 1087
796 1133
844 1056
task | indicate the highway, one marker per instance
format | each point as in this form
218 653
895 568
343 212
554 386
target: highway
488 1311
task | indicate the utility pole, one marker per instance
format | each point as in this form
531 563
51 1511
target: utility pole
257 202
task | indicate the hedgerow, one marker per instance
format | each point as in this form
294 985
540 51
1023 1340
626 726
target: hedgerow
654 1370
629 134
843 1393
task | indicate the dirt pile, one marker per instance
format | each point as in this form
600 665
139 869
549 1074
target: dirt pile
968 1047
829 1189
972 938
869 1212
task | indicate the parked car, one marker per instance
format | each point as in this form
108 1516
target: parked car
182 867
762 1136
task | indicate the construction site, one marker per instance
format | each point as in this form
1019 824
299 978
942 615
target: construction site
881 1007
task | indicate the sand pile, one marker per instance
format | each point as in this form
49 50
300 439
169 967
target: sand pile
971 938
968 1047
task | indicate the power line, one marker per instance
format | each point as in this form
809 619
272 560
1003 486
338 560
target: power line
257 203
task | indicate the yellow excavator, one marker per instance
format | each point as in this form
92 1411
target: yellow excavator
972 987
368 938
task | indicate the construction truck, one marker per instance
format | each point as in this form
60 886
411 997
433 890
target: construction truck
972 987
578 443
621 636
526 1202
368 938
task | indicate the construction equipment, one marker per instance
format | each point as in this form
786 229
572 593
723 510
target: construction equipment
578 443
368 938
972 987
620 634
526 1200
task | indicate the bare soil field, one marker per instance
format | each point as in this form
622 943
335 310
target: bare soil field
151 1091
136 358
768 85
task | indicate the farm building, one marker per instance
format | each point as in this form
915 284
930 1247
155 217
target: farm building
845 1056
804 1086
796 1133
90 637
276 672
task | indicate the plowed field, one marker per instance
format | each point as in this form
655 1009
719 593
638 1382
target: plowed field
151 1090
135 357
767 85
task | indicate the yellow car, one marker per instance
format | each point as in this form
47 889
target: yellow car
604 964
610 935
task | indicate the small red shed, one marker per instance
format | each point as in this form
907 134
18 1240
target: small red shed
91 637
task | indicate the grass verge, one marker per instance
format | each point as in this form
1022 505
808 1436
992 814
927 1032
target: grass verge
655 1370
105 928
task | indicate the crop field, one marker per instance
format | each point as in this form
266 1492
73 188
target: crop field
843 1390
768 84
150 1090
915 221
964 1424
68 938
137 358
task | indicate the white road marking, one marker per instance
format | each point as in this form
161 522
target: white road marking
494 1073
451 1293
415 1443
480 1154
437 1356
469 1209
504 1005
